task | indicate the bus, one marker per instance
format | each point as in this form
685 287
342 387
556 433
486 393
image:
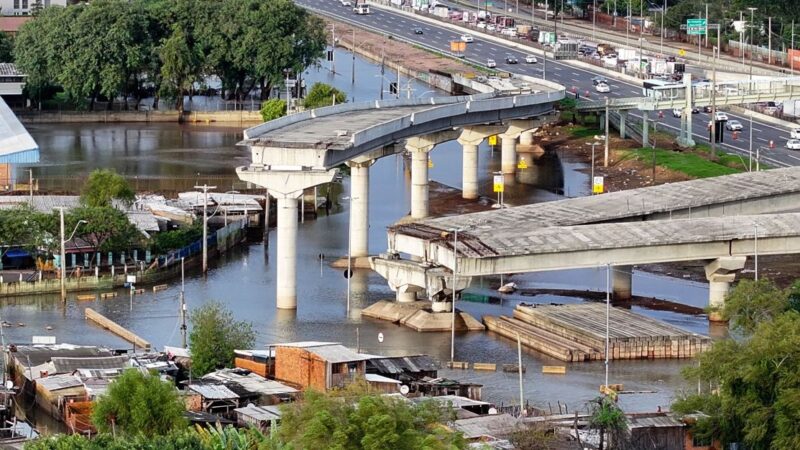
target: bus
361 9
662 89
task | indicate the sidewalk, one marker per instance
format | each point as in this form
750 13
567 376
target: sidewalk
583 28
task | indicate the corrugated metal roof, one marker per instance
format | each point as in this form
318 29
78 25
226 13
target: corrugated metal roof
498 425
454 400
35 355
250 382
260 412
328 351
375 378
404 364
58 382
213 391
71 364
663 421
14 138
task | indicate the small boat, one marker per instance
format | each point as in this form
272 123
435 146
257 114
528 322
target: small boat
507 288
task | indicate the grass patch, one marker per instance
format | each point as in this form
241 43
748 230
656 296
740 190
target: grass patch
582 131
689 163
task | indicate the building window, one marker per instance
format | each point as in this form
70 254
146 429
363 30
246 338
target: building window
24 4
16 4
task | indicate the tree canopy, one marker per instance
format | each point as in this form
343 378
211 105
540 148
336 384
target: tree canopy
368 421
273 109
754 390
322 94
110 48
215 334
139 404
6 48
105 185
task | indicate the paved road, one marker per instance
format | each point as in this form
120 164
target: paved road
440 36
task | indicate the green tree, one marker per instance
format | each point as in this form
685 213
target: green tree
755 388
214 336
139 404
272 109
365 420
22 227
105 185
175 239
322 94
180 439
607 418
6 48
181 64
753 302
107 228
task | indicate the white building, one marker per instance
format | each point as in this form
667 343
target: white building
23 7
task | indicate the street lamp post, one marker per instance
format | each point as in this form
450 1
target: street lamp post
755 249
349 250
591 182
752 43
205 189
453 308
64 252
663 13
608 313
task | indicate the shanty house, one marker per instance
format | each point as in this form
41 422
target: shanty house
661 431
404 368
261 417
252 387
318 365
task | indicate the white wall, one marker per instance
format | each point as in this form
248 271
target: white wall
23 7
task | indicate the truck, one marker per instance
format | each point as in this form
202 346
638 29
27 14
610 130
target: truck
547 37
504 22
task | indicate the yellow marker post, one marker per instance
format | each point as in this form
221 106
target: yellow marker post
597 185
430 163
499 185
522 164
493 140
681 52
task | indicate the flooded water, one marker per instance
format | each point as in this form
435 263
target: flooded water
243 279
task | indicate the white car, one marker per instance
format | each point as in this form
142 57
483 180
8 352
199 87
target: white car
677 112
511 32
481 24
793 144
491 27
345 2
720 116
491 64
602 88
467 38
795 133
734 125
530 59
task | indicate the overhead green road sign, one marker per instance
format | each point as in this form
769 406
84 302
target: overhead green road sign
696 26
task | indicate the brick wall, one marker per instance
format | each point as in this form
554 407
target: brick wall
300 368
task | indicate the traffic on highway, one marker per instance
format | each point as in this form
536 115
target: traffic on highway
486 49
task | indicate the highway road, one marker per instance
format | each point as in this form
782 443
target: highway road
439 36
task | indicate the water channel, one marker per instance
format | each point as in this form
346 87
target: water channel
243 278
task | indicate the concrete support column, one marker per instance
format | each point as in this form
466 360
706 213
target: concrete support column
406 296
508 155
720 274
359 209
469 178
623 118
526 138
645 129
419 184
602 121
622 282
286 279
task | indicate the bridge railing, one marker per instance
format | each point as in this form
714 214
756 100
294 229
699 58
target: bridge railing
490 104
272 125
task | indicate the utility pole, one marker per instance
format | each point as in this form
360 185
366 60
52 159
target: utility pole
30 185
183 309
205 189
333 48
769 40
752 43
353 80
605 156
791 59
519 369
706 25
714 104
453 312
741 36
663 13
594 21
63 262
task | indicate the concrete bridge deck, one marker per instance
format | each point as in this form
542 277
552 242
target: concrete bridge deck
487 251
761 192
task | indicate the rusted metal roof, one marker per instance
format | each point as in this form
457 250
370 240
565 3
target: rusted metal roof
404 364
213 391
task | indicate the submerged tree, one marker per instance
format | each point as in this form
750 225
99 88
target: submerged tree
214 336
105 185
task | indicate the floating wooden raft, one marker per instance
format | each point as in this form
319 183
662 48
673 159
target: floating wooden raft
577 333
117 329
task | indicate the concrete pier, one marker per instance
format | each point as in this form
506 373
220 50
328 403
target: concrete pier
508 154
526 138
359 212
286 279
469 178
419 184
621 282
720 274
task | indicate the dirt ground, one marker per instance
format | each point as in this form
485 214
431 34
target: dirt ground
398 52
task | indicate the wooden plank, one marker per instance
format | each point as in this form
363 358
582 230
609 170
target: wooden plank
159 287
117 329
554 370
457 365
84 298
484 366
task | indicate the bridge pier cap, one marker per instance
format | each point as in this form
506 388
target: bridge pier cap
720 273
